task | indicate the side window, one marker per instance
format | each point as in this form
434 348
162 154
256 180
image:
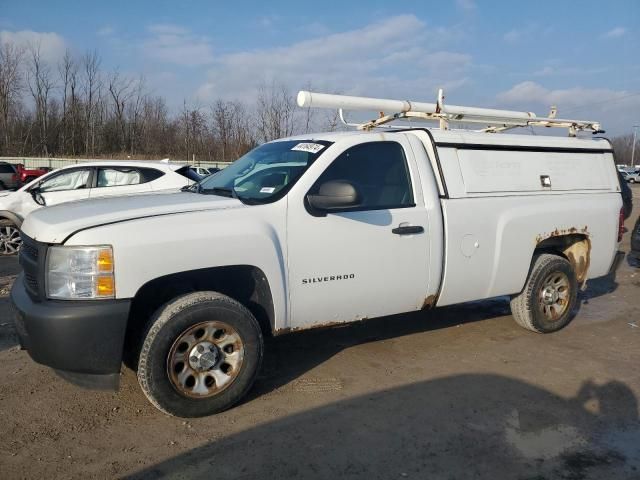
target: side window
150 174
70 180
118 177
379 172
6 168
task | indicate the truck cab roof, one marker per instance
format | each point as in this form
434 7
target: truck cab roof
456 136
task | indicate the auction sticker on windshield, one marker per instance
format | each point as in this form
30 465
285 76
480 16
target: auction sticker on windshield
308 147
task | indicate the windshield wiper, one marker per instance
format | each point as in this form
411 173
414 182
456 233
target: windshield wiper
194 187
223 192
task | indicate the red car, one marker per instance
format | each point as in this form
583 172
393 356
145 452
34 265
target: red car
13 176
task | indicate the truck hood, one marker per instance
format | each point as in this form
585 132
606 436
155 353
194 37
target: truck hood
54 224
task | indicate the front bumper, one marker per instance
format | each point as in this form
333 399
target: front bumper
82 340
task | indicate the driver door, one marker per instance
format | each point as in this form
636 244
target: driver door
66 186
367 261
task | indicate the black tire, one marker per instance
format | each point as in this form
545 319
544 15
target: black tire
10 241
632 180
2 185
528 308
169 324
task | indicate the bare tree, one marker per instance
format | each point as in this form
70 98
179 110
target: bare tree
623 146
10 87
40 82
134 113
274 112
231 130
91 89
121 90
68 71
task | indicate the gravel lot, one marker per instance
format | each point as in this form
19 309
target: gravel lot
458 392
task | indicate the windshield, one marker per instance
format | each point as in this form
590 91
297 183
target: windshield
266 173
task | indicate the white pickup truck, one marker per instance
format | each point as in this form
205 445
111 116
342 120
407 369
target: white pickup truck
305 232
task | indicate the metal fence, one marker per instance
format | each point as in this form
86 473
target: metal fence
53 163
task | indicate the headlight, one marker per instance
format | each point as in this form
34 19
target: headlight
80 273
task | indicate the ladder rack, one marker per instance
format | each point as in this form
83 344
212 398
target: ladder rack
494 120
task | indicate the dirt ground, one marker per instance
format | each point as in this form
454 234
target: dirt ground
458 392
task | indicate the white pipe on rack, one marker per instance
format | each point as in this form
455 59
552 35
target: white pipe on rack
325 100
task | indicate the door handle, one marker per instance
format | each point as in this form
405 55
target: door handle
408 230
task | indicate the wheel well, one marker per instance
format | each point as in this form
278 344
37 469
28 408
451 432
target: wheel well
245 283
12 217
575 247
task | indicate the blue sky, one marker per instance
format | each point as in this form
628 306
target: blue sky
582 56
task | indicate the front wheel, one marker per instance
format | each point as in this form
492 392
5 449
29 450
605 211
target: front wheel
632 180
200 356
549 298
10 241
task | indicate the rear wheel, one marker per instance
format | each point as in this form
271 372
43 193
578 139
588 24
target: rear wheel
201 355
10 241
549 298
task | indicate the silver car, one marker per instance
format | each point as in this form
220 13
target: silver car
631 177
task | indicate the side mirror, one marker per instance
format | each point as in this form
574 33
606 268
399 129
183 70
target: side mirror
334 195
36 194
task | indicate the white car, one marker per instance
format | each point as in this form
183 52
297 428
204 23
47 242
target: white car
83 181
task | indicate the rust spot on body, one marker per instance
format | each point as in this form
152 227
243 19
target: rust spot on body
429 302
321 325
574 244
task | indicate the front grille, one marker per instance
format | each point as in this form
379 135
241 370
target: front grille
32 258
31 281
30 250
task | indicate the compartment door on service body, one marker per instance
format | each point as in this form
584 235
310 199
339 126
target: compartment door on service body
365 262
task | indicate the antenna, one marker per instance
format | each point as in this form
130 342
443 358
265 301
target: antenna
494 120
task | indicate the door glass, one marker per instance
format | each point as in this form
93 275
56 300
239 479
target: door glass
112 177
379 172
72 180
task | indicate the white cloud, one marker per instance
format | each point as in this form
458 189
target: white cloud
466 5
105 31
512 36
268 21
616 32
615 109
529 32
178 45
378 59
52 45
550 70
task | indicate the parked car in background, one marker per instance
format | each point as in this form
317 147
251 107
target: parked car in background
83 181
631 176
203 172
634 254
13 176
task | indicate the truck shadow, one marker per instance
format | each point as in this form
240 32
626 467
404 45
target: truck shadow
465 426
289 356
599 287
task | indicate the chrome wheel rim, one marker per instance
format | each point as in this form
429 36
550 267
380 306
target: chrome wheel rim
10 241
554 296
205 359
